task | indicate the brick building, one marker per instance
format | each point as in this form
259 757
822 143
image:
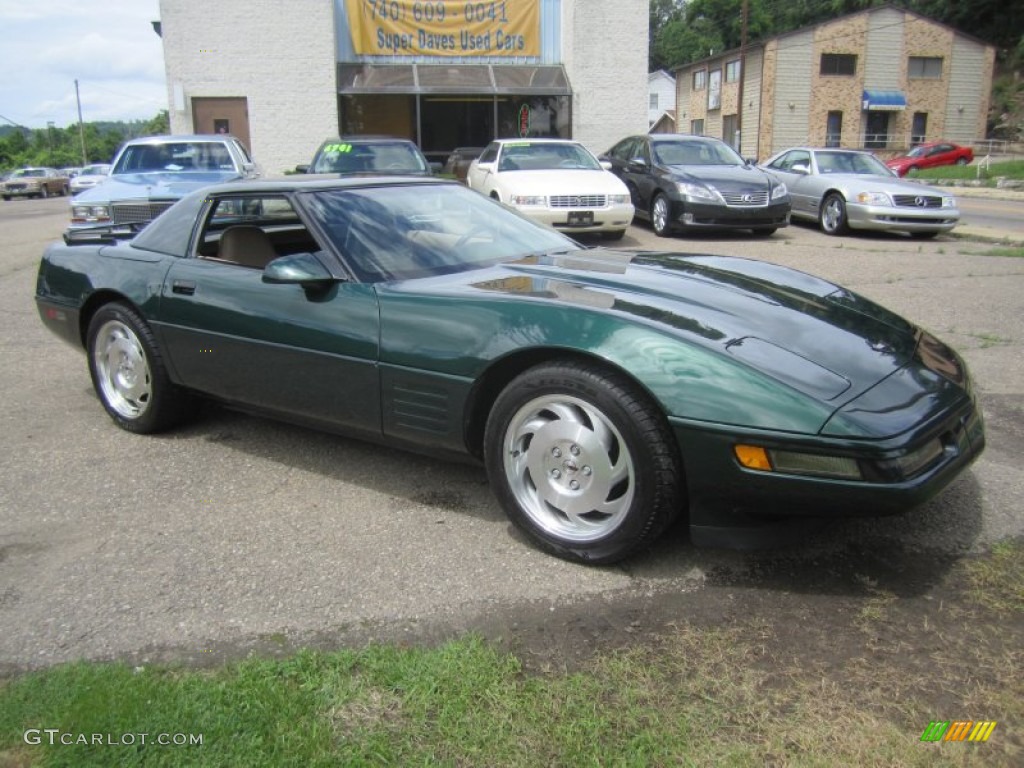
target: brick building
883 79
284 75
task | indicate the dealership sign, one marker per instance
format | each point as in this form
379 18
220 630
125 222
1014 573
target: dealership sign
444 27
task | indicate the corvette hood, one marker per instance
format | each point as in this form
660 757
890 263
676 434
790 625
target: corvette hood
810 334
167 185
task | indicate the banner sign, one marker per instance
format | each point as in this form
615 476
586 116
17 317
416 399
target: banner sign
444 27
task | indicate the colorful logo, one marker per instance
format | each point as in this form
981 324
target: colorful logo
958 730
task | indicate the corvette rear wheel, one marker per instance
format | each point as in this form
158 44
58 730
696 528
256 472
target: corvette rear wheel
583 462
128 372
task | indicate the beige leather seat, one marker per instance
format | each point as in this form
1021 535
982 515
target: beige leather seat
246 245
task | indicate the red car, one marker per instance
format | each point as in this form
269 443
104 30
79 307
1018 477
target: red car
930 155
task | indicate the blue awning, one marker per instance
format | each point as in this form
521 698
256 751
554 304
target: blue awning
884 101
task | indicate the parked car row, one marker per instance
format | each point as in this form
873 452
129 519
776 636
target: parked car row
678 183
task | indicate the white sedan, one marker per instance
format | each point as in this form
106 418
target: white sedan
556 182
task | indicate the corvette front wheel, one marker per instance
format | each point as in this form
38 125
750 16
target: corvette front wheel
583 462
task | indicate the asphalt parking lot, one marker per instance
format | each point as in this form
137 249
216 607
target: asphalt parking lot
237 533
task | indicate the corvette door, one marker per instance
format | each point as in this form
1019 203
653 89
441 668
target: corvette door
306 352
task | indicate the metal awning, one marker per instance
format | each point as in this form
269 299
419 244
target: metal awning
462 79
884 101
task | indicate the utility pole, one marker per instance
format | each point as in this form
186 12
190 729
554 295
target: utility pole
743 74
81 128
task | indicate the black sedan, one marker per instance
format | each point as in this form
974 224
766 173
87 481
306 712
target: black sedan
681 182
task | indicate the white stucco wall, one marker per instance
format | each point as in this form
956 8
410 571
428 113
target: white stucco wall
281 56
277 53
604 49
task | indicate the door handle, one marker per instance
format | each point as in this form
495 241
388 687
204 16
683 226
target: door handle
184 287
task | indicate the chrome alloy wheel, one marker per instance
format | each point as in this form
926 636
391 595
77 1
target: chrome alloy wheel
660 215
122 370
569 468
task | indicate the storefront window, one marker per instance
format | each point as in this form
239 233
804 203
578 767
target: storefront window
536 116
383 114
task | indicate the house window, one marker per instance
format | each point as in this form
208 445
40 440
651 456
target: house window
700 79
919 128
654 101
732 71
838 63
834 129
697 127
925 67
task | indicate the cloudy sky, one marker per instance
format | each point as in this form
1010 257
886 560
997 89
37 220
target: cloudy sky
109 46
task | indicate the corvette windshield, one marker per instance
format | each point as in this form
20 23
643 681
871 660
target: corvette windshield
401 232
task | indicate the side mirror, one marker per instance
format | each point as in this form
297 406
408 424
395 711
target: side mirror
299 268
606 164
800 168
637 164
436 167
750 160
304 168
485 167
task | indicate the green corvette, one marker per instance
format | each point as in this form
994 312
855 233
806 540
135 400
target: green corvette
606 392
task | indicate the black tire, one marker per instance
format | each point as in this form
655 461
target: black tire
832 216
129 375
962 161
616 235
661 215
576 435
7 198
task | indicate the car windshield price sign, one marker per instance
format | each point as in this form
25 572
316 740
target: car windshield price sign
444 27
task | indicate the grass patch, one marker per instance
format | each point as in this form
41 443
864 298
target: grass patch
1016 252
1010 169
810 689
997 581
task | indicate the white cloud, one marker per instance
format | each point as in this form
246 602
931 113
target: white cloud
109 47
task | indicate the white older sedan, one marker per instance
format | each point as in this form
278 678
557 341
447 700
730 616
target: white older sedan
556 182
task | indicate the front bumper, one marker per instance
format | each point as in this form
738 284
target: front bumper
21 191
732 506
901 218
687 214
611 218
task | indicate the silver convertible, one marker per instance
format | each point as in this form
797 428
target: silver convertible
844 189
